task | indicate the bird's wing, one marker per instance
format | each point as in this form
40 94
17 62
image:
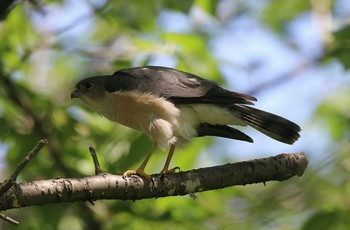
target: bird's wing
226 131
176 86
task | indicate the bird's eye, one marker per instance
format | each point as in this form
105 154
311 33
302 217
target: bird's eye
88 85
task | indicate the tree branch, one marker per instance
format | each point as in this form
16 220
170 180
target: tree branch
108 186
12 180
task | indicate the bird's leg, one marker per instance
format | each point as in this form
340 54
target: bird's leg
141 170
167 162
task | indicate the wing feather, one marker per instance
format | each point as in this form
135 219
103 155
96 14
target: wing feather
176 86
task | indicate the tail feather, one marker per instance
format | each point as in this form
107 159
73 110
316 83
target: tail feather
270 124
206 129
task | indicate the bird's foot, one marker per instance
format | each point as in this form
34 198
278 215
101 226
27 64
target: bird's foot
173 170
139 172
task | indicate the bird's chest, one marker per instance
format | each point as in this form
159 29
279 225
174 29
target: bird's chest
137 111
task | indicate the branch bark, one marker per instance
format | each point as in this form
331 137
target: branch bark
108 186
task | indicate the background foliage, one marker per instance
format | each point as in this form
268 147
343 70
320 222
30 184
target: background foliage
47 46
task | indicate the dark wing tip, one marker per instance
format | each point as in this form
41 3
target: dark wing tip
220 95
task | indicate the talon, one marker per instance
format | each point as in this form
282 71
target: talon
129 173
139 173
173 170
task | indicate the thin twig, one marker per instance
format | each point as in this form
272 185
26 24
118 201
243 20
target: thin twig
9 219
98 169
4 187
30 156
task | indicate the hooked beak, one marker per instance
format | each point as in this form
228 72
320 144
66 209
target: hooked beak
74 94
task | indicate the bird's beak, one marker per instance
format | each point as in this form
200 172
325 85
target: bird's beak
74 94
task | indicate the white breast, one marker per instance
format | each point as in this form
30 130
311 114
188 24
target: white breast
155 116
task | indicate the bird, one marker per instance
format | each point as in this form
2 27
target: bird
171 107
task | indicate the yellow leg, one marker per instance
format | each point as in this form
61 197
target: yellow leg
141 170
167 162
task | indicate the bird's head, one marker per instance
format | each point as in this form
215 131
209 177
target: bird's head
90 90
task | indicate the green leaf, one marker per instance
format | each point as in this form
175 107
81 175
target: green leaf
328 220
